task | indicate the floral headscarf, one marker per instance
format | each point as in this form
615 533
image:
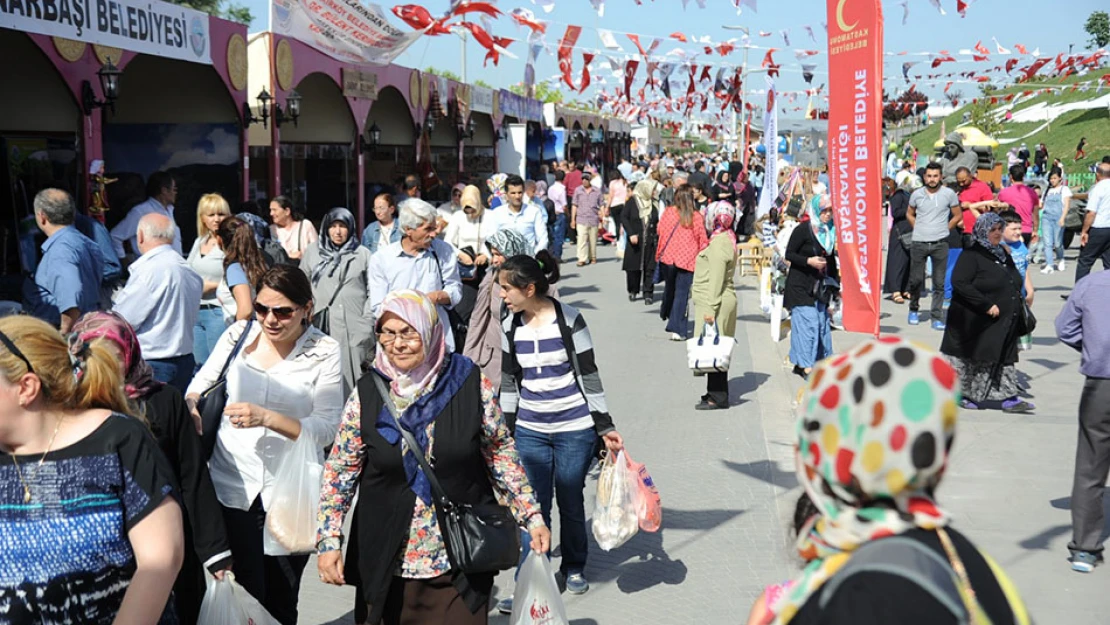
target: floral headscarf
720 216
331 255
496 186
825 233
415 309
138 377
874 432
983 226
510 243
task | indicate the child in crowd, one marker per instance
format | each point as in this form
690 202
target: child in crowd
1020 253
805 512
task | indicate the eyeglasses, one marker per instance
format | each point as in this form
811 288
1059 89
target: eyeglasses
388 337
282 313
15 351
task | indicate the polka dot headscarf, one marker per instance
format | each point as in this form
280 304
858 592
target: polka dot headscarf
874 430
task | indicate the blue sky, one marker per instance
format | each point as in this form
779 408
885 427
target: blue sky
1043 24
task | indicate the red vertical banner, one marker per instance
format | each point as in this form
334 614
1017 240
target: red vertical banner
855 155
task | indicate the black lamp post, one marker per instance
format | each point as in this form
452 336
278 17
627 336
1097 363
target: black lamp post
109 85
264 99
292 110
373 138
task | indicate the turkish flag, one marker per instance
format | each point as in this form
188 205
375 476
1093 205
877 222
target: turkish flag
586 58
629 75
566 46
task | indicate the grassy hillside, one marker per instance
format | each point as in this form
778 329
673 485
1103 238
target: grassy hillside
1060 137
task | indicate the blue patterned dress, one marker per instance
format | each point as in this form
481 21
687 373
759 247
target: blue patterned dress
65 557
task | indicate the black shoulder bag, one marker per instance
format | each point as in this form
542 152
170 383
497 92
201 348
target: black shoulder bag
480 539
213 401
458 325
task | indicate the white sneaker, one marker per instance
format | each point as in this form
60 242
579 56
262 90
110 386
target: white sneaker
1060 266
677 337
1047 269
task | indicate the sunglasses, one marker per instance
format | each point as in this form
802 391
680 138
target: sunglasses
15 351
282 313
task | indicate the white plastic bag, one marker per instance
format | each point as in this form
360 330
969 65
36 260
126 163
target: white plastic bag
776 317
616 518
536 600
291 517
227 603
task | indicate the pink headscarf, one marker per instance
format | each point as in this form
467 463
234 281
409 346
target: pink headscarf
139 379
721 215
415 309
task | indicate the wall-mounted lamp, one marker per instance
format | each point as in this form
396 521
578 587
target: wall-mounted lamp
467 129
109 84
430 123
292 110
263 110
373 138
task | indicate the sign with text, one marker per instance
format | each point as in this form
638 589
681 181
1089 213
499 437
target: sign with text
520 107
855 155
360 84
347 30
155 28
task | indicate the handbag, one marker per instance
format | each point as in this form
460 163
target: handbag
1028 319
657 274
480 539
213 401
458 325
906 239
709 353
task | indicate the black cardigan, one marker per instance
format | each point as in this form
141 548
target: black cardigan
802 278
979 281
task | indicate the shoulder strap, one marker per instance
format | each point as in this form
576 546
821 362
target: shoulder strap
439 268
441 496
339 285
300 231
671 235
239 342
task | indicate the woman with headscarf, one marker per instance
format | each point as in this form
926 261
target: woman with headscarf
722 190
985 321
483 335
811 284
639 219
336 265
164 410
897 275
714 295
874 436
403 571
467 231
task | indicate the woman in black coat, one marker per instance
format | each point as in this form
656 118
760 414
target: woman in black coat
897 256
639 219
985 321
811 253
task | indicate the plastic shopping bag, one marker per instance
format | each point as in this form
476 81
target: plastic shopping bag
615 517
291 517
765 289
776 318
227 603
536 600
649 506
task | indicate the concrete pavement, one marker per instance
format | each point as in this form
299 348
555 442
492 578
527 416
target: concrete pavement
728 486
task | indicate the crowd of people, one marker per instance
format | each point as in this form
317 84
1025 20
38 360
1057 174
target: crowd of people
440 328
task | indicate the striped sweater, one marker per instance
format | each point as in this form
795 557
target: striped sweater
550 406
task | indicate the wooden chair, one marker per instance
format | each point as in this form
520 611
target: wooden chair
751 258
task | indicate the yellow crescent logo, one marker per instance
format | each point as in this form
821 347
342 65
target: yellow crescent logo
840 17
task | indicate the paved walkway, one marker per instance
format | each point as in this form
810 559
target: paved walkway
728 486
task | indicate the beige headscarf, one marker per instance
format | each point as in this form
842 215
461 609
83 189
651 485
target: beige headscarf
645 197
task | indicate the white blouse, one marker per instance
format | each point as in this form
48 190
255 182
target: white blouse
308 386
464 232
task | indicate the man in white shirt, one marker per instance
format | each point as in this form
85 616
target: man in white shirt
1096 225
161 190
418 261
161 301
557 193
526 218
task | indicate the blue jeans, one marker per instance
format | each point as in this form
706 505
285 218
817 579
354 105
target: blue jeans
558 235
953 256
1052 239
676 296
176 371
206 333
810 335
556 464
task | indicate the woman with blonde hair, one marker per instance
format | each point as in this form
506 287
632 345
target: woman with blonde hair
88 507
207 259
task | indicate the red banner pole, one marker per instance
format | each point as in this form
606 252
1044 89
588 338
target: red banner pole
855 155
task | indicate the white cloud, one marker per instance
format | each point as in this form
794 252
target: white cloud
182 149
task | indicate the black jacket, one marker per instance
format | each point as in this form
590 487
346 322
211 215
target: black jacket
979 281
385 504
802 279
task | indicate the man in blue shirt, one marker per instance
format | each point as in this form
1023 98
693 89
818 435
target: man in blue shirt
67 280
1082 325
113 270
162 301
527 219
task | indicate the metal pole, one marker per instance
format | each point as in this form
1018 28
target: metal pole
462 46
743 98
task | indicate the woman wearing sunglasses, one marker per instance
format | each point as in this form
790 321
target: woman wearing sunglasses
286 382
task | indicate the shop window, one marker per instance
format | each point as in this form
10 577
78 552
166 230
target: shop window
319 177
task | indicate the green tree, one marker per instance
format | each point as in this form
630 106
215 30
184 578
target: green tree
1098 27
446 73
543 92
220 8
982 115
482 83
